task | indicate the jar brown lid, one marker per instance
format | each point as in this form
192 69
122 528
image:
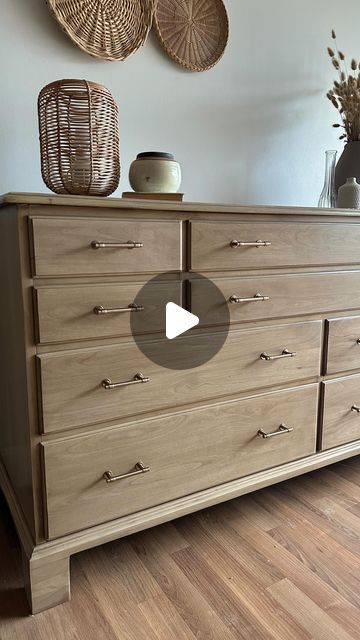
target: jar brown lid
155 154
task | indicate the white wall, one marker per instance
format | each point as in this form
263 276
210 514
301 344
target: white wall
252 130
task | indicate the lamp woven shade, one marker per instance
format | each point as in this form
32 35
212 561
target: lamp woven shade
193 33
79 138
109 29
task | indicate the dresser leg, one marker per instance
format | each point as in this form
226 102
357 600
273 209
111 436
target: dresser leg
47 581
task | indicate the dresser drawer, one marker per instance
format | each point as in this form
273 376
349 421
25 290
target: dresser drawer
343 349
265 297
286 244
341 414
65 246
79 312
185 452
71 381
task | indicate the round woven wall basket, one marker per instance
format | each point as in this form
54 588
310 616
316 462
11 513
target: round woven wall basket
109 29
195 33
79 138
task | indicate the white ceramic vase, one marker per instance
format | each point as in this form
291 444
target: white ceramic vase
155 172
349 195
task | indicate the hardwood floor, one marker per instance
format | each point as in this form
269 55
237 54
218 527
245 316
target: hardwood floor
282 563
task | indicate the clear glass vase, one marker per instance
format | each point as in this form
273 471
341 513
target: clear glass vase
327 198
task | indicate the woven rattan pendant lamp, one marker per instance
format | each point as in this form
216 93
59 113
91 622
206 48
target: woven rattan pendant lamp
108 29
79 138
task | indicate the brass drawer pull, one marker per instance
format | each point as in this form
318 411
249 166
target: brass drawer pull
256 298
138 378
130 244
99 310
139 468
257 243
285 354
355 408
282 429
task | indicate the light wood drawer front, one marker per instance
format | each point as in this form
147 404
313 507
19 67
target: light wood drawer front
287 295
341 419
292 244
343 347
72 393
63 246
186 452
69 313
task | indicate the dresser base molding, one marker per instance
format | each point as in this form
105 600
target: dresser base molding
46 566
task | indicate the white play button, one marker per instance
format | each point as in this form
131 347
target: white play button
178 320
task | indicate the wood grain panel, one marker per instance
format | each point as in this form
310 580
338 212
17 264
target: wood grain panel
15 449
72 393
292 244
340 423
343 353
289 295
67 313
62 246
186 452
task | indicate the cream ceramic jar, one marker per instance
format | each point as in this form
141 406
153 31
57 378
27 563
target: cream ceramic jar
155 172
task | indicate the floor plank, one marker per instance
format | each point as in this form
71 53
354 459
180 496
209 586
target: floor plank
355 510
257 567
220 596
312 617
349 469
222 571
164 618
187 601
280 564
341 570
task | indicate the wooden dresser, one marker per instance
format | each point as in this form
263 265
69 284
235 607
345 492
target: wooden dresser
280 398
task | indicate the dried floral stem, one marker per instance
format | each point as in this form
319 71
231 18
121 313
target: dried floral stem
345 93
340 55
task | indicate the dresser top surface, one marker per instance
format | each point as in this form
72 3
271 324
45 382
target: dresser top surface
161 205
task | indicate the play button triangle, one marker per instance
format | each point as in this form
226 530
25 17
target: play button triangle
178 320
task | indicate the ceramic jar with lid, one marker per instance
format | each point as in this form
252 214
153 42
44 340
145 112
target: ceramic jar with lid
155 172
